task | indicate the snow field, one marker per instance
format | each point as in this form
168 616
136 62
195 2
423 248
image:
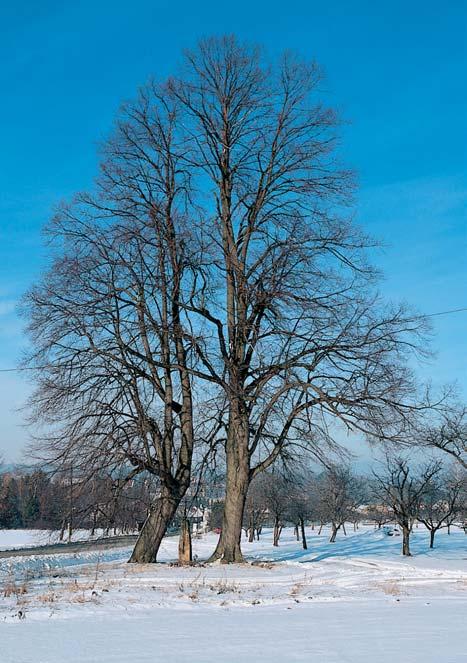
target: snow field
355 600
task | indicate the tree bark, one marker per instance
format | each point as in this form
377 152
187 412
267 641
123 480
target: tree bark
334 533
228 548
184 545
62 530
406 541
277 532
432 538
302 527
154 529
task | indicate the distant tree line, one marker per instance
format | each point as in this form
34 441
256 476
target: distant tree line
38 500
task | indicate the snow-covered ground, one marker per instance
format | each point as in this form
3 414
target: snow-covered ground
29 538
355 600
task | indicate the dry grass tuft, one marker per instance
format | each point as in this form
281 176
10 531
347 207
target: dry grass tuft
391 587
12 589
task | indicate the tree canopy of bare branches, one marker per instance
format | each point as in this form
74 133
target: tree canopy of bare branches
218 262
115 370
448 434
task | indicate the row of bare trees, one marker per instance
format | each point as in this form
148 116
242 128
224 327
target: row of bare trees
211 297
401 494
428 494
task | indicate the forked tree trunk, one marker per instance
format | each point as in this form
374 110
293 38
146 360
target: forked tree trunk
228 548
154 528
277 532
302 527
406 541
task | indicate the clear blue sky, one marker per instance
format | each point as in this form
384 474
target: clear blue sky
396 70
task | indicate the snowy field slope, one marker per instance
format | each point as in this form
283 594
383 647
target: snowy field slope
357 600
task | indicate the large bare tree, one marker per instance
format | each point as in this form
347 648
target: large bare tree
218 258
294 333
115 370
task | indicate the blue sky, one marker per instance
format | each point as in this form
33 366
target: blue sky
395 70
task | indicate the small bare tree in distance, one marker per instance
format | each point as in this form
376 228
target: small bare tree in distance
402 489
340 495
442 502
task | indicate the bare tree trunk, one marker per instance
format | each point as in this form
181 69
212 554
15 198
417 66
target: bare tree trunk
185 553
251 534
70 513
277 532
62 530
406 541
94 523
333 533
154 529
320 528
343 529
297 535
302 526
237 481
432 538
